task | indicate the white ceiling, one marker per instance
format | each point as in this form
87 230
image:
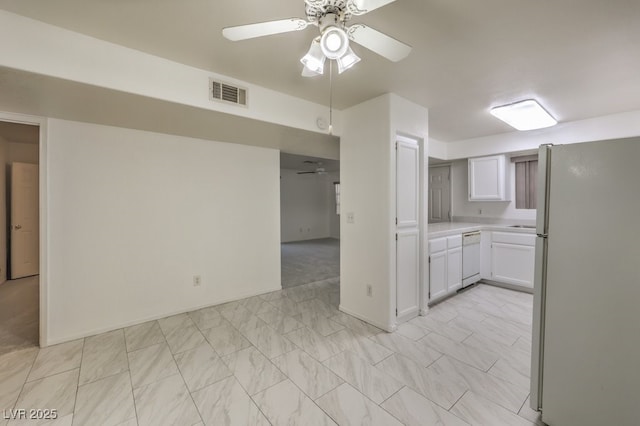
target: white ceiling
580 58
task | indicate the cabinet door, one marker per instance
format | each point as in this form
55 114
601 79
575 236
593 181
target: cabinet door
485 255
437 275
407 273
407 185
487 178
454 269
513 264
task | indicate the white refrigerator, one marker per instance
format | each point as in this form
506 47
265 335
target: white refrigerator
586 326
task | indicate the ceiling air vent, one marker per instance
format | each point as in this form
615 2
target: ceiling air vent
220 91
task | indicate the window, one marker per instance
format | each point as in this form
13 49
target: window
526 181
336 186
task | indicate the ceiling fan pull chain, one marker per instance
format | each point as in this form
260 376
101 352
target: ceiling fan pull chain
331 97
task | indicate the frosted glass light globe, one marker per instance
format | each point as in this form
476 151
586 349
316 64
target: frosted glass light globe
334 42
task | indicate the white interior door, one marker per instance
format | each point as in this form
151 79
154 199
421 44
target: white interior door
439 194
24 250
408 229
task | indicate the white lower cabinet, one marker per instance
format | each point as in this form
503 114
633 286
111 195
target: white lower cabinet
513 258
437 274
454 269
506 257
445 266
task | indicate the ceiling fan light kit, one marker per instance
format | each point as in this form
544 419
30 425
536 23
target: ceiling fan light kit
331 17
348 60
314 59
334 40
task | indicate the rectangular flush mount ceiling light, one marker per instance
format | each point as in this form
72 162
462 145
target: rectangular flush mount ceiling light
524 115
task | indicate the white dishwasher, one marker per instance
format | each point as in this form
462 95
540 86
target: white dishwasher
470 258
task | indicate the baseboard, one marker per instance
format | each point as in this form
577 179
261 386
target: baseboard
407 317
93 332
390 328
441 299
507 286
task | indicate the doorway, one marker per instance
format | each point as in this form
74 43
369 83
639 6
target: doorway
19 236
439 193
309 220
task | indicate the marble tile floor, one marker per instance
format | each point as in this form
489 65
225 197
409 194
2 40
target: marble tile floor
307 261
19 314
259 361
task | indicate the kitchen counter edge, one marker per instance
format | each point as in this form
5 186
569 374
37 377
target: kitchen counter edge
453 228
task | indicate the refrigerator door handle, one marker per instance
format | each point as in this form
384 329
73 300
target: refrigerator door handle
544 169
537 344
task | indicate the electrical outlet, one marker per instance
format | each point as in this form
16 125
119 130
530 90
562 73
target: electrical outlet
197 280
351 217
479 211
369 290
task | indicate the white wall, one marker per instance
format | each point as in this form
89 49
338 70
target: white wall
49 50
367 246
334 219
462 208
22 153
133 215
438 149
306 206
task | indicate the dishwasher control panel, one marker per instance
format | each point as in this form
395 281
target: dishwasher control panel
471 238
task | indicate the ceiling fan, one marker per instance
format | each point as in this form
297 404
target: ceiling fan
331 17
319 170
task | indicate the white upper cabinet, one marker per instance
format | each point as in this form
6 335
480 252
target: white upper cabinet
488 178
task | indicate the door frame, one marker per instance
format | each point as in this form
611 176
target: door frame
43 215
435 166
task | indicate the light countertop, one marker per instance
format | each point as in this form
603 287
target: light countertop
444 229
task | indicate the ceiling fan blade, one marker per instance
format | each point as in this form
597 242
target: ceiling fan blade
378 42
244 32
360 7
316 3
306 173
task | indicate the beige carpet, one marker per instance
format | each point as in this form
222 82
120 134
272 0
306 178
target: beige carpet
305 262
19 314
